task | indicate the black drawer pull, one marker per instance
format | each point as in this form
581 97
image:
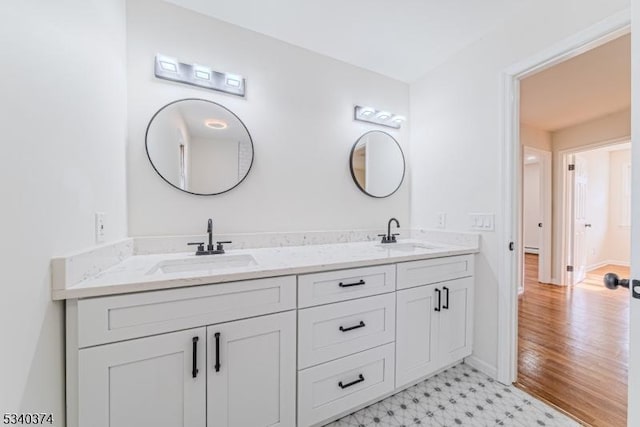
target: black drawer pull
217 366
194 367
446 298
439 300
351 328
359 380
348 285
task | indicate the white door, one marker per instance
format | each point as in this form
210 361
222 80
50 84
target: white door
251 372
579 216
455 334
158 381
416 333
633 418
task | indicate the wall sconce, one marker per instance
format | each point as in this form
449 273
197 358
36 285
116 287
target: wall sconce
378 117
168 68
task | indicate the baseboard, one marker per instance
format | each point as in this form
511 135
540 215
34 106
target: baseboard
618 262
529 250
608 262
481 366
597 265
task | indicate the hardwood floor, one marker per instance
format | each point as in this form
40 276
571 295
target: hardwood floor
573 345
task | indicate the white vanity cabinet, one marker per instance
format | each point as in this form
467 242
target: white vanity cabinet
345 348
434 320
251 376
156 381
288 351
186 357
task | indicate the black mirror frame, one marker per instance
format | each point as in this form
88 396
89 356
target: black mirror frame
146 146
404 165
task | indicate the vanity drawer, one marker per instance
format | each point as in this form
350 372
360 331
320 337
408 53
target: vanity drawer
418 273
332 331
121 317
331 389
341 285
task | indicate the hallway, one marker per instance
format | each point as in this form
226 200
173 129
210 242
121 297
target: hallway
573 345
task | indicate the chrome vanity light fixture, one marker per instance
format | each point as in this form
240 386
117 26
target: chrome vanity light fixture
168 68
378 117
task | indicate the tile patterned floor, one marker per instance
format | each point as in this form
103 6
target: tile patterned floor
458 396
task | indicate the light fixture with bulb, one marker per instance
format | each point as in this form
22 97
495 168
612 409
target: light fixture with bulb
216 124
378 117
168 68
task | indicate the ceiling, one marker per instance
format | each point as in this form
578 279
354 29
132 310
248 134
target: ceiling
402 39
583 88
197 113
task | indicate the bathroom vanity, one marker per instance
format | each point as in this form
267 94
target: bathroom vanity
294 336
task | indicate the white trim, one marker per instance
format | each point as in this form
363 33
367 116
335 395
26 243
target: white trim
530 250
481 366
616 262
509 262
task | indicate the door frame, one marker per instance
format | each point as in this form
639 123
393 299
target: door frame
566 220
510 230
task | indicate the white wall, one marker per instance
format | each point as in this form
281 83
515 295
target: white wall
532 210
298 109
614 126
455 120
619 238
214 165
62 115
597 206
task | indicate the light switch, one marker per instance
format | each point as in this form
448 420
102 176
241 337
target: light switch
100 226
482 221
441 220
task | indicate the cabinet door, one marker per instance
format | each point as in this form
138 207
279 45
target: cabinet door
251 379
456 320
144 382
416 334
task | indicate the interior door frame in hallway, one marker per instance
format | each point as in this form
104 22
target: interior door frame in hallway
510 231
544 160
566 227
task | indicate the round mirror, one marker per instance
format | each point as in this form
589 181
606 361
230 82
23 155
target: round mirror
199 147
377 164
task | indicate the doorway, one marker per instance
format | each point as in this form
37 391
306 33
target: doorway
511 270
573 336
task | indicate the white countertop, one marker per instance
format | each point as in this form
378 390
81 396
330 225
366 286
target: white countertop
135 273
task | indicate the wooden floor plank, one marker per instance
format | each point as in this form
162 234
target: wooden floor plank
574 346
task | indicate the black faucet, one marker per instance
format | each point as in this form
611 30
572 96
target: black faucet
390 238
219 248
210 232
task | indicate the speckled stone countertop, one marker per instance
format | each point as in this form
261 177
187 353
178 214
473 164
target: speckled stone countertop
139 273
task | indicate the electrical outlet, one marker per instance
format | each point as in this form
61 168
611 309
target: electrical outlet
482 221
100 226
441 220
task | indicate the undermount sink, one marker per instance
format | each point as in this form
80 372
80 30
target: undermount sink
407 246
203 263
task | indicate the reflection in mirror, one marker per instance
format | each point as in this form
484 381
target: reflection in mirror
377 164
199 146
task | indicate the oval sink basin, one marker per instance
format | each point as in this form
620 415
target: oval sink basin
203 263
407 246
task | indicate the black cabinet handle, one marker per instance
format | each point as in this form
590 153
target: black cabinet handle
446 298
217 336
348 285
194 368
351 328
439 300
359 380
